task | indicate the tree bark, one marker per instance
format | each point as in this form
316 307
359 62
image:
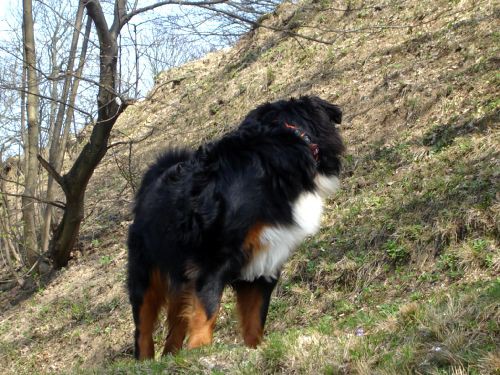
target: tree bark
31 148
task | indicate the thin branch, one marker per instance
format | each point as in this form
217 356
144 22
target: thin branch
44 97
57 204
135 12
132 141
257 24
80 77
50 169
11 181
69 23
369 29
163 84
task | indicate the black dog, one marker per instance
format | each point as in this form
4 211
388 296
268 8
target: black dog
229 213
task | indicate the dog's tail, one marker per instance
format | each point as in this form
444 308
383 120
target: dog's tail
172 157
166 160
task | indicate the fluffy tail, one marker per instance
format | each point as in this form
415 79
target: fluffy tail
165 161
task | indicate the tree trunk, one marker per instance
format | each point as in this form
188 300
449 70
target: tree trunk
67 231
74 90
31 148
74 183
57 139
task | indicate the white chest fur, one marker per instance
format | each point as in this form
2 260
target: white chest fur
278 242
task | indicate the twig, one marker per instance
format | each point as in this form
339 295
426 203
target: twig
132 141
157 87
11 181
50 169
25 274
57 204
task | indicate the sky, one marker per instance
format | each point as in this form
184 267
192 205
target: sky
11 12
6 13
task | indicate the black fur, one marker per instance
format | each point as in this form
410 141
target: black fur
195 208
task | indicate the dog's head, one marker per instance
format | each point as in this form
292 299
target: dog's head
312 115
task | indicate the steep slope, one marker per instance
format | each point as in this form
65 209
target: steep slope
404 275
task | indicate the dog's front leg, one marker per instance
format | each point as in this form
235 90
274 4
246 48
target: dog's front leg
253 304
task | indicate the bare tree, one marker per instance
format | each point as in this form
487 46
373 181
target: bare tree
110 105
9 251
55 83
164 51
31 147
58 135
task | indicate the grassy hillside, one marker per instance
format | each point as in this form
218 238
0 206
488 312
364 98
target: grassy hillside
404 276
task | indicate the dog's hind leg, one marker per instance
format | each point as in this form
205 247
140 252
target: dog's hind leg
253 304
177 322
205 304
145 308
201 324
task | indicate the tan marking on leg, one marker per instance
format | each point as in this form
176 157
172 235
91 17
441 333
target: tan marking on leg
177 323
252 243
249 301
200 325
152 301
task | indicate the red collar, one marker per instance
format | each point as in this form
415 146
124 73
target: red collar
302 134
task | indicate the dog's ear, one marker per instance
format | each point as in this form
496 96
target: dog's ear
333 111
